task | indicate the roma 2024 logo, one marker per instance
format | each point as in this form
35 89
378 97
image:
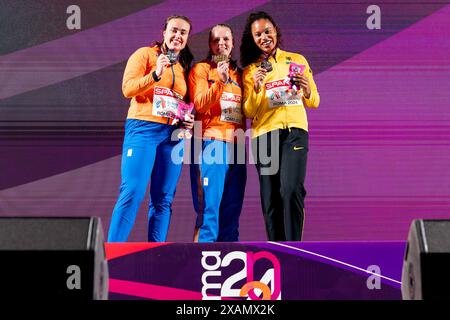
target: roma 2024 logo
266 288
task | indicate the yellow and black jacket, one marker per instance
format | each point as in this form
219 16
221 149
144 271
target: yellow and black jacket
275 106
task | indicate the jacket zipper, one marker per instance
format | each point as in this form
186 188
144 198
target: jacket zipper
173 76
173 84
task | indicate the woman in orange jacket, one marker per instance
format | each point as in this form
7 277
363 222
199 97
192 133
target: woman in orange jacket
218 174
278 86
155 80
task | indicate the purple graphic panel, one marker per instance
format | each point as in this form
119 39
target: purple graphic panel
290 271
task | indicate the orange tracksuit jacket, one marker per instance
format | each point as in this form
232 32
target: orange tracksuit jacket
218 105
150 99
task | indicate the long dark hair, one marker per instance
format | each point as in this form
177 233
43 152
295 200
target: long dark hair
185 57
233 63
249 50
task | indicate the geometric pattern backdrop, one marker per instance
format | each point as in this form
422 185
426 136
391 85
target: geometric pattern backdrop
379 142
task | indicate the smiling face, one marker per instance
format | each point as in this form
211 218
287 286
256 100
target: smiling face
221 41
176 34
264 35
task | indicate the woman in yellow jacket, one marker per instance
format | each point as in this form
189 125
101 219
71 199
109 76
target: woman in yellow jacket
155 80
218 174
276 100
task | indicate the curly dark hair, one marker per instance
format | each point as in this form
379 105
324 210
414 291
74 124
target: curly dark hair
249 50
185 56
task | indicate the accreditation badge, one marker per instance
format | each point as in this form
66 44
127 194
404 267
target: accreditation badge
279 95
230 104
165 102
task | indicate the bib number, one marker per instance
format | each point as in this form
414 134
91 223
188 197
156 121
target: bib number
165 102
230 104
279 95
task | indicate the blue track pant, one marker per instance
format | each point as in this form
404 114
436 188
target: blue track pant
218 188
147 154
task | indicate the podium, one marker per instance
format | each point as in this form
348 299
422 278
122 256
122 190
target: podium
256 270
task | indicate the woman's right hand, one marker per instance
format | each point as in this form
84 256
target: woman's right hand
258 78
161 64
223 71
188 122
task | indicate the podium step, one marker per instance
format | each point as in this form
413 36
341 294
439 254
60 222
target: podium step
255 270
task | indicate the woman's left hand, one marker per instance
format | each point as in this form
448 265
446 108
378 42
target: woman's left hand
303 82
188 122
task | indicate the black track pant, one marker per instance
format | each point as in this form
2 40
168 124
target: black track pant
282 191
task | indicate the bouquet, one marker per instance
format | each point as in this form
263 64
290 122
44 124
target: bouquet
183 112
293 69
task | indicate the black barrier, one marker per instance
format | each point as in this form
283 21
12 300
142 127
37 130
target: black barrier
427 261
52 258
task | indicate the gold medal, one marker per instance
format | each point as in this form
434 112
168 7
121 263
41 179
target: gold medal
219 58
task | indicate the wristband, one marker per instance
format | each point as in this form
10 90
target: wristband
155 77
